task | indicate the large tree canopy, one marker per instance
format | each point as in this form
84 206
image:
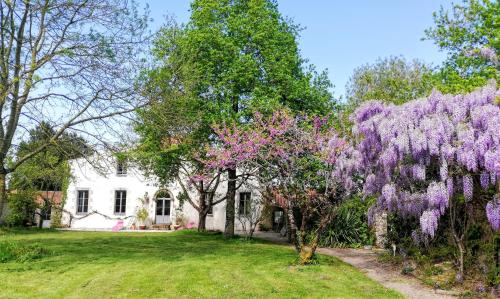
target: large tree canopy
245 57
231 59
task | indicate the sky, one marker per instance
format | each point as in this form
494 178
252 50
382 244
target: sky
342 35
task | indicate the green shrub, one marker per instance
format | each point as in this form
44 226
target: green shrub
481 243
407 270
265 227
433 270
56 218
22 208
12 251
350 227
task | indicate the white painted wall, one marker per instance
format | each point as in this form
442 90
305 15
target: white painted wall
102 187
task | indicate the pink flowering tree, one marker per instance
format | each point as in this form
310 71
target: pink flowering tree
434 156
294 159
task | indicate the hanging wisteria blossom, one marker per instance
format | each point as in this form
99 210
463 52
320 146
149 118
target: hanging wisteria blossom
484 179
493 213
421 154
484 52
468 187
429 222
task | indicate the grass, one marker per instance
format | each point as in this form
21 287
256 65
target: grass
170 265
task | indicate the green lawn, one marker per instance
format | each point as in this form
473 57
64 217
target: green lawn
170 265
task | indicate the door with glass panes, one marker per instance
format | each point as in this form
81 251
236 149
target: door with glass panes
163 202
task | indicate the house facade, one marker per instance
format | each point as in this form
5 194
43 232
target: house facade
99 199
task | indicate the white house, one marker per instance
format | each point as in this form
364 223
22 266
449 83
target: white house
99 199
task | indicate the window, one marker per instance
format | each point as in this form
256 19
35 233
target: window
120 201
82 205
206 198
244 206
121 168
278 217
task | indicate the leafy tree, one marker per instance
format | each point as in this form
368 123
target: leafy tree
232 58
69 63
174 129
22 207
48 169
469 34
391 79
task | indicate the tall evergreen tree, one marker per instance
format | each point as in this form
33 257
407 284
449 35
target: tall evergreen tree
48 169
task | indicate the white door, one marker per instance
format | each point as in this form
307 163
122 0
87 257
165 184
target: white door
162 211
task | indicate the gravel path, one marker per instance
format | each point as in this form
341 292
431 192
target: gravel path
366 261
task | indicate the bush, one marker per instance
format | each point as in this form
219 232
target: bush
56 217
21 253
181 219
22 208
350 227
433 255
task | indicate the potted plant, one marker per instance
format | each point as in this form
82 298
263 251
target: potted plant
180 221
142 216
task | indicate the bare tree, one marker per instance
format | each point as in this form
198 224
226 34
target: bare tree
250 215
70 63
200 188
205 187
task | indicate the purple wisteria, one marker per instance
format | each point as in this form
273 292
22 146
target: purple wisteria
429 221
467 186
493 213
420 155
483 52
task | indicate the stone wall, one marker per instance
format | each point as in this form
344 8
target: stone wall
380 229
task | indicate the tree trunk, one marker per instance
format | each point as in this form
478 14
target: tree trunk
231 188
3 194
461 253
307 251
230 206
40 220
202 220
458 242
497 256
292 229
